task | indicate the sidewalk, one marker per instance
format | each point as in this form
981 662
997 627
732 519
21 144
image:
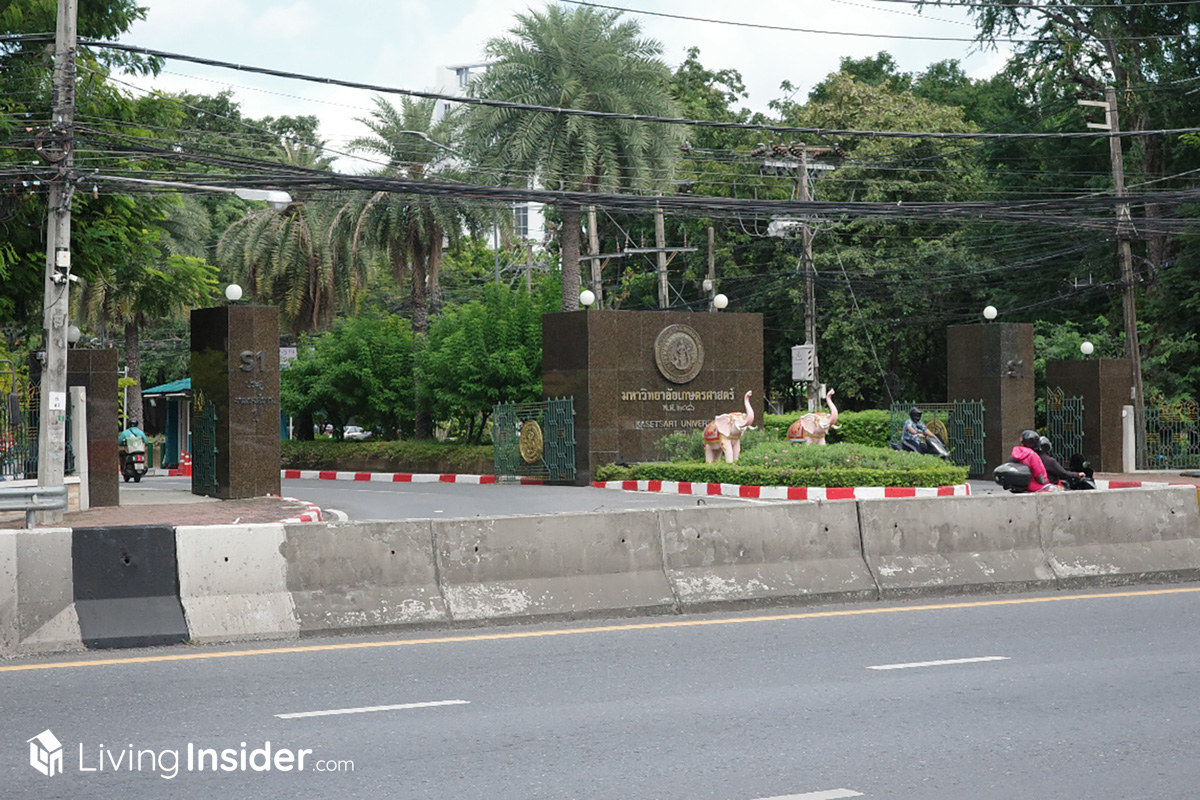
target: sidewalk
179 507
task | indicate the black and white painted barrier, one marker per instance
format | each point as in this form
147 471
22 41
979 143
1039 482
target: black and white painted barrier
62 589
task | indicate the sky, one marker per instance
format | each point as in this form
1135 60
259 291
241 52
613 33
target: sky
401 43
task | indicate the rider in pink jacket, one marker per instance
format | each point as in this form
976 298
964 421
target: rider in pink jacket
1027 453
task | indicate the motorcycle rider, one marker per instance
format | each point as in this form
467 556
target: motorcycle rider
131 432
913 436
1027 453
1055 470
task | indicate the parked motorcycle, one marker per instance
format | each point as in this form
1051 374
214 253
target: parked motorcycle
133 460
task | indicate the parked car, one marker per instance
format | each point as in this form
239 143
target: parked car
354 433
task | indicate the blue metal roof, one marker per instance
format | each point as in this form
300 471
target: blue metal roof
174 387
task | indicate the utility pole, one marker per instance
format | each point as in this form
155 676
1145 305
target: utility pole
660 242
1133 350
810 288
712 268
52 426
594 249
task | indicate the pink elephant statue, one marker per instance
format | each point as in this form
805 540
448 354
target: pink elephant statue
811 428
724 434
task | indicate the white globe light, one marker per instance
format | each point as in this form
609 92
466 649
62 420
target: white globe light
233 292
587 297
720 301
1086 348
73 334
989 313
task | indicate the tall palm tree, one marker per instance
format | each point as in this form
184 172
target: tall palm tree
407 230
285 257
579 58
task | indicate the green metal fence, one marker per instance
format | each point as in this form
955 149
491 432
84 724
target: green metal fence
204 439
535 439
18 425
1064 424
961 422
1173 435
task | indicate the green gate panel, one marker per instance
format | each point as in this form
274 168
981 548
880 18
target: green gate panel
535 440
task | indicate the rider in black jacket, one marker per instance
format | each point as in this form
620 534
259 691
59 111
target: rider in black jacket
1054 469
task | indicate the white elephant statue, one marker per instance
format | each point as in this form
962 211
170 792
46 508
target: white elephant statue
812 427
724 434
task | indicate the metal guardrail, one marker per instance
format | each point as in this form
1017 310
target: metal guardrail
31 499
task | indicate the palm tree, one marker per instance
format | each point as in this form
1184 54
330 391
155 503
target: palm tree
285 257
579 58
408 231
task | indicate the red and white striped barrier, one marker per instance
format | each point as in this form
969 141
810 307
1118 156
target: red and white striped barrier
398 477
786 492
312 515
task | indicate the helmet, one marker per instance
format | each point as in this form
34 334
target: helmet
1044 445
132 422
915 413
1030 439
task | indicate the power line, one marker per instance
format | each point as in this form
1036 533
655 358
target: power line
580 112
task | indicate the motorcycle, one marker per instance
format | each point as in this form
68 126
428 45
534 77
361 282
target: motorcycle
133 459
933 446
1015 478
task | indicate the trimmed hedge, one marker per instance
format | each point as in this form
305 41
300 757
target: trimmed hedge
388 456
784 464
869 427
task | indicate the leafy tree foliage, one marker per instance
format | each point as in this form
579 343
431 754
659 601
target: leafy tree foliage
580 58
486 352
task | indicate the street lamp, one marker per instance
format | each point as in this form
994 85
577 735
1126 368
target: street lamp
989 313
1086 348
720 301
73 334
233 293
587 297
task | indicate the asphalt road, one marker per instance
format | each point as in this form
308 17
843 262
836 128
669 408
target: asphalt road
1084 696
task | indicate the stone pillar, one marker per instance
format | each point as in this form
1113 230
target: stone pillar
1105 386
638 376
235 366
994 363
96 372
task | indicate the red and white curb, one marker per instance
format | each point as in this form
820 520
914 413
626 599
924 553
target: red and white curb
1103 484
312 515
400 477
786 492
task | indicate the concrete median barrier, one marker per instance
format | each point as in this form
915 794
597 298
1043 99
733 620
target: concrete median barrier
555 565
759 554
1126 536
956 544
356 575
37 609
233 583
127 586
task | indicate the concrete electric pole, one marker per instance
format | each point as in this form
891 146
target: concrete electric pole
1133 349
58 149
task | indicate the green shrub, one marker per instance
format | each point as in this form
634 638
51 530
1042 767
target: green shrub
689 445
388 456
854 427
784 464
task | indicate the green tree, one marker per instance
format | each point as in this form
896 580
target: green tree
407 230
578 58
486 352
361 371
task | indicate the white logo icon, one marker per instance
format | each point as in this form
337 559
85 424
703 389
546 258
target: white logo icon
46 754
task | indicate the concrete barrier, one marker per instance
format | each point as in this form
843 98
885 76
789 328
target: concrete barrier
233 583
956 544
552 565
356 575
748 554
1130 536
127 586
37 593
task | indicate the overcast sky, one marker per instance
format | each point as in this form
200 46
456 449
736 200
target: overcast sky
400 43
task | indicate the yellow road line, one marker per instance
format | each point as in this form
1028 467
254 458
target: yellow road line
640 626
